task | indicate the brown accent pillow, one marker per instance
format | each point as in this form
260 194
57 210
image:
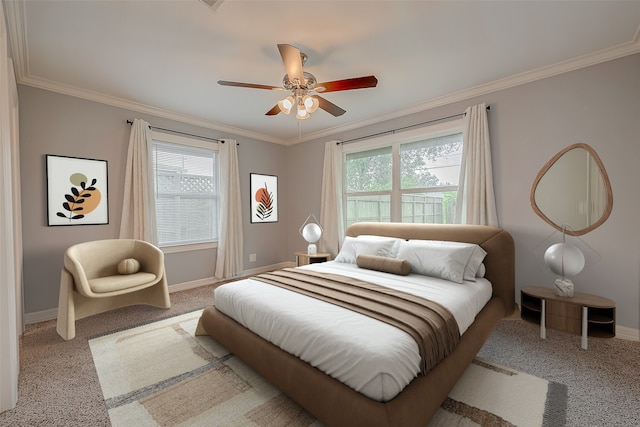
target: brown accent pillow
385 264
128 266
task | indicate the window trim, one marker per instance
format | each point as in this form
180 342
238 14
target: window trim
183 140
169 138
433 131
395 140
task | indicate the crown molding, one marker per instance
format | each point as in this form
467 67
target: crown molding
142 108
16 25
624 49
16 22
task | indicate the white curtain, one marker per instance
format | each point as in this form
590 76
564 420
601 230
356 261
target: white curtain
230 250
476 202
138 207
10 233
331 216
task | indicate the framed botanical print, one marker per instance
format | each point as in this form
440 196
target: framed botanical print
77 192
264 198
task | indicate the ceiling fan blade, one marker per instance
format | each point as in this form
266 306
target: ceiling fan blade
292 62
249 85
348 84
274 111
329 107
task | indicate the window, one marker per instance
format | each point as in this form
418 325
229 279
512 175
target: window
411 177
368 185
186 190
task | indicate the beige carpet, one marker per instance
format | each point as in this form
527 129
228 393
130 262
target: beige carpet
161 374
58 384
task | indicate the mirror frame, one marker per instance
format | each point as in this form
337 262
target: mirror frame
605 179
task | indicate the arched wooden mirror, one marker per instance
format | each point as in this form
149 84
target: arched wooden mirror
572 190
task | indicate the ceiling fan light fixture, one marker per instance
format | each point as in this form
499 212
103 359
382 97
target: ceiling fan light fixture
286 104
301 113
310 103
302 84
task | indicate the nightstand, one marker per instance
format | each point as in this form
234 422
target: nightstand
582 314
303 258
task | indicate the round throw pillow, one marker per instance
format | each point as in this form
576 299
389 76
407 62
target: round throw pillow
128 266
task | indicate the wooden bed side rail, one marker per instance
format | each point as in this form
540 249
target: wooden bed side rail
329 400
334 403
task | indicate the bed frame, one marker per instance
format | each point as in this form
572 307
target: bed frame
336 404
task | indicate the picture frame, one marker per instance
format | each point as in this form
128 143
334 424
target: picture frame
264 198
77 191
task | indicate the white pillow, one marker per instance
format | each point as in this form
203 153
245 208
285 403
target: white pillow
475 261
482 270
446 260
394 248
354 246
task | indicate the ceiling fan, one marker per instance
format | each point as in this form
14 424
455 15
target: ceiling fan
304 87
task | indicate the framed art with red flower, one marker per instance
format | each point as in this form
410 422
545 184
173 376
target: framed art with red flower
264 198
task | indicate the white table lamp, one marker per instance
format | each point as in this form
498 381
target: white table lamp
311 232
564 259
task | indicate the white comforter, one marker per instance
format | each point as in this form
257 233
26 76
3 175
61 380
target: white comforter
372 357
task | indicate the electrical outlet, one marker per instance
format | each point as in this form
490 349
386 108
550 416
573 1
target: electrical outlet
252 257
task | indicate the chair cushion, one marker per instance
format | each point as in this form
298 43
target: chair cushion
119 282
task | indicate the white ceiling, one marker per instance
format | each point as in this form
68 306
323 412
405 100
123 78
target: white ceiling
165 57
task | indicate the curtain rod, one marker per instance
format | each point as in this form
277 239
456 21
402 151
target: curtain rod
130 122
403 128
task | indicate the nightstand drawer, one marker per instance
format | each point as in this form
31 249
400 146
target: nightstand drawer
303 258
559 308
562 323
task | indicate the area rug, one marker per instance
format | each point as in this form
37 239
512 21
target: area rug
161 374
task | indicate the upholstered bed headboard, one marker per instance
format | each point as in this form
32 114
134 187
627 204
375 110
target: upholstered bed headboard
499 262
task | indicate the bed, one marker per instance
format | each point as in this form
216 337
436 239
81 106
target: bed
334 402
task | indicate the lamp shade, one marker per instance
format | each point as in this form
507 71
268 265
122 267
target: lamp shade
311 232
302 114
310 103
286 104
564 259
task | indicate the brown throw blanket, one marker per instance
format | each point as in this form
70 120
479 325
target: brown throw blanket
431 325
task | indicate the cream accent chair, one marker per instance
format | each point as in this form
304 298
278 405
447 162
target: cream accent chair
90 282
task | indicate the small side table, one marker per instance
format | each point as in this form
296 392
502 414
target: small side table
582 314
303 258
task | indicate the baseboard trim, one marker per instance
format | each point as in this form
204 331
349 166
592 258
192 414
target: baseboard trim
52 313
622 332
625 333
40 316
193 284
272 267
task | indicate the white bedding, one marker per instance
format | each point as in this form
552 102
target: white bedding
372 357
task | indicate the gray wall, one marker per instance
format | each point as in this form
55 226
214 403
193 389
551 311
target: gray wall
528 124
52 123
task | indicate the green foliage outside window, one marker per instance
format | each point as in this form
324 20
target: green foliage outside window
429 169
